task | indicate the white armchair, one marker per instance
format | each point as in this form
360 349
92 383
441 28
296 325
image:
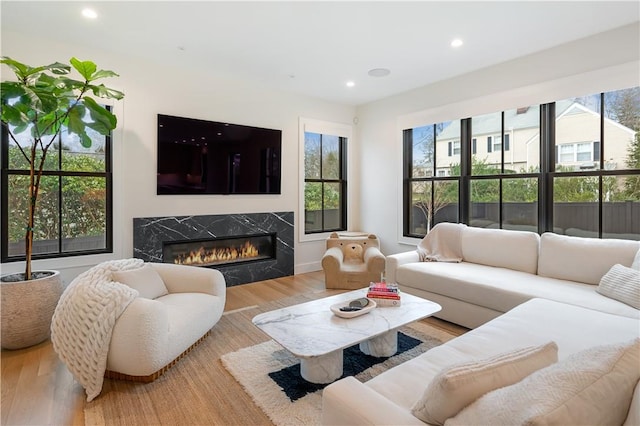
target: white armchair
152 334
126 319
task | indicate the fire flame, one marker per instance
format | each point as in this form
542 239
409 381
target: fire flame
204 256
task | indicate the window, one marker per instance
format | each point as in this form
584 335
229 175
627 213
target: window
595 181
74 205
325 176
454 148
580 177
582 155
433 196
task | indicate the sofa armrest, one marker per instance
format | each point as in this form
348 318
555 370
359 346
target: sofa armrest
191 279
349 402
140 338
374 259
396 260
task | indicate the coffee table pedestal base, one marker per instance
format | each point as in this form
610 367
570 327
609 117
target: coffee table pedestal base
322 369
384 345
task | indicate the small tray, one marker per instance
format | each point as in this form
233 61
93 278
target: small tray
351 314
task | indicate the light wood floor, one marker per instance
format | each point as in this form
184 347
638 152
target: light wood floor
37 388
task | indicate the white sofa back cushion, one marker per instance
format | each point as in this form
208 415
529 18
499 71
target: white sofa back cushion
584 260
516 250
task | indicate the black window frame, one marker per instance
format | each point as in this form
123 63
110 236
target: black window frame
545 176
5 172
341 180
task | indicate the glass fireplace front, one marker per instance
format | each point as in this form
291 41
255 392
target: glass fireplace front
220 251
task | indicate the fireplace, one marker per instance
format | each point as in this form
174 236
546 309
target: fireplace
158 239
220 251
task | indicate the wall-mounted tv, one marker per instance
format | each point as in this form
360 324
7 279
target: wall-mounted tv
209 157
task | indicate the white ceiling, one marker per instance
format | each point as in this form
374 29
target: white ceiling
314 48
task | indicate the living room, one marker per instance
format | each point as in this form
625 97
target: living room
598 62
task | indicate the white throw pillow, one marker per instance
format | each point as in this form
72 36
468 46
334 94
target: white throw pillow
622 284
146 280
457 386
591 387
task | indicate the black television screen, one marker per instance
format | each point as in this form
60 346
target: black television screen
208 157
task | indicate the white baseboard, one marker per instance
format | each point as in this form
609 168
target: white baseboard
302 268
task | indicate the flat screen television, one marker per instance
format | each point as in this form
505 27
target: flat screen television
209 157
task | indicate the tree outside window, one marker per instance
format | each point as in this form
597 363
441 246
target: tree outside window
324 182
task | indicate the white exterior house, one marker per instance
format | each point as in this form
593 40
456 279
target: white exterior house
578 145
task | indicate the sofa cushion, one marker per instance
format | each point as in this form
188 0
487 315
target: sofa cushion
584 260
516 250
636 262
592 387
501 289
623 284
146 280
457 386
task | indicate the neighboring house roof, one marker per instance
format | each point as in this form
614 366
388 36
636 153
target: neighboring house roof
527 118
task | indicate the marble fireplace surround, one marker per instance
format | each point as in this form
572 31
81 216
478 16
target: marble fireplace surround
150 232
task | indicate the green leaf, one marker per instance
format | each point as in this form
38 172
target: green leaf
13 116
48 102
100 115
10 90
104 92
75 122
18 68
58 68
103 74
69 83
85 140
85 68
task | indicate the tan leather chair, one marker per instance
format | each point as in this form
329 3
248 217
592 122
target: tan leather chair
352 260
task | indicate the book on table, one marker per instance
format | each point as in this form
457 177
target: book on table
384 294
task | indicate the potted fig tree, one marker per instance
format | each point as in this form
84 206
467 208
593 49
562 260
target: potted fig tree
41 102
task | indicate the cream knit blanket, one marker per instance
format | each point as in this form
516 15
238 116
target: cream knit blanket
442 244
84 318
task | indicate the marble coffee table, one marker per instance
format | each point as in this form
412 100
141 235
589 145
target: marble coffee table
312 333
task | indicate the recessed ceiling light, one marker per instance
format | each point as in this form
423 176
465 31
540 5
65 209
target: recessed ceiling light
350 84
379 72
89 13
456 42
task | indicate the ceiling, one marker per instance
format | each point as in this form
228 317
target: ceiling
315 48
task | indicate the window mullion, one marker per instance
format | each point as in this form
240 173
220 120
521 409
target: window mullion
547 167
464 194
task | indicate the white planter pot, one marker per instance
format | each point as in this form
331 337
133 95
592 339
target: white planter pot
27 309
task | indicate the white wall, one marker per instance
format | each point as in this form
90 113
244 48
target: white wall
604 62
151 89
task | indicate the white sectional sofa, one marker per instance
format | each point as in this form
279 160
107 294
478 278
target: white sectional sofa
501 269
515 289
388 398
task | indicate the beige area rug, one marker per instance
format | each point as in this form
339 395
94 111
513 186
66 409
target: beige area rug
199 390
292 404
